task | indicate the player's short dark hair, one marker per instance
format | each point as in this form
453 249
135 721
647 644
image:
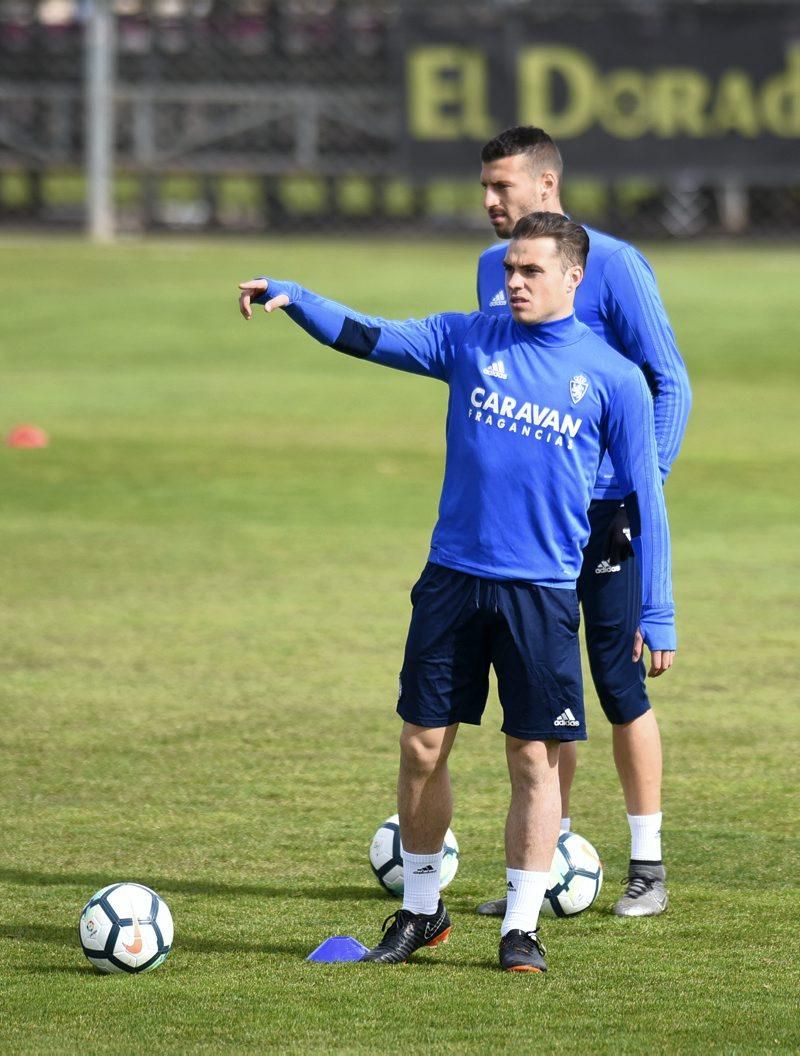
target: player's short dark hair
571 238
541 151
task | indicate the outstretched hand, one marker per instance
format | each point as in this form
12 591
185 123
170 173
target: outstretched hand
661 660
255 288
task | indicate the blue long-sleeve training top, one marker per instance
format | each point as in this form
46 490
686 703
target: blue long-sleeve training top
619 300
531 411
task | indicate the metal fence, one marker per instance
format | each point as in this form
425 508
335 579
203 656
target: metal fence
675 117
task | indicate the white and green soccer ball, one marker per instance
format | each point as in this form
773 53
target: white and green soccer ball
126 928
575 879
386 857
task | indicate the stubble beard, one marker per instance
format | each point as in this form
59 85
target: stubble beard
511 222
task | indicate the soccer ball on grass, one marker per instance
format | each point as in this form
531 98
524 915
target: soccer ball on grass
575 879
126 928
386 857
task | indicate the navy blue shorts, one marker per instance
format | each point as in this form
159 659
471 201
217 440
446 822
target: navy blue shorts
611 598
462 624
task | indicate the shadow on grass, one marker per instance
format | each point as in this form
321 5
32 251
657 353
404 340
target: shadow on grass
66 937
61 935
94 881
53 969
53 934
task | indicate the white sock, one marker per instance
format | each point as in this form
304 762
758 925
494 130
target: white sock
421 881
525 893
645 837
565 824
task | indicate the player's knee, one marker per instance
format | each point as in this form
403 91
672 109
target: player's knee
422 750
531 763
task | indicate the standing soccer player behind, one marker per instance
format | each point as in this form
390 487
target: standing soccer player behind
535 399
618 299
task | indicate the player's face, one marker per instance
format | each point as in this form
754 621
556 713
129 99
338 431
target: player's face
511 190
539 289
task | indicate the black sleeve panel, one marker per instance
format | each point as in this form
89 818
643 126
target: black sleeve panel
650 378
634 516
356 339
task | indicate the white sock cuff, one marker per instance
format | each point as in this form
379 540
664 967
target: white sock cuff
565 824
518 877
421 881
420 860
645 836
524 896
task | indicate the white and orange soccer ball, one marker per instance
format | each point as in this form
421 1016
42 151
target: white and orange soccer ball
126 928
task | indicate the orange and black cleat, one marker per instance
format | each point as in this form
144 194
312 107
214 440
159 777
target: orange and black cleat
406 932
521 951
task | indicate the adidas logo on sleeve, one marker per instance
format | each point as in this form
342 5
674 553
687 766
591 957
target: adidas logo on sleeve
499 300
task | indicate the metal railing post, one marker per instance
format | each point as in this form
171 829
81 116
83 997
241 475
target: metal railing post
99 97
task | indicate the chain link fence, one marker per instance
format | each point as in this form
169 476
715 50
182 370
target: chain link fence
339 115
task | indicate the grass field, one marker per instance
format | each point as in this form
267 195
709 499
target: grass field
204 602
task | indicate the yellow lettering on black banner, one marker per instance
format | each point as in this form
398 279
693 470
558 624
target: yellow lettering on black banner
623 109
539 70
734 108
448 93
780 98
678 98
562 90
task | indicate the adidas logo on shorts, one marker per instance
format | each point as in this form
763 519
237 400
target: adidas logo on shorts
566 718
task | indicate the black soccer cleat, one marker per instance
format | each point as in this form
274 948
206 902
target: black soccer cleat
521 951
409 932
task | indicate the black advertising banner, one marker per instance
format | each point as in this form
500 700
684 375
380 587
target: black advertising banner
686 89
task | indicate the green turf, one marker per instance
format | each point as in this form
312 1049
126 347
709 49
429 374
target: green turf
204 601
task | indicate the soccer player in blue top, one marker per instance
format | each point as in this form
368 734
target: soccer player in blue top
535 400
618 299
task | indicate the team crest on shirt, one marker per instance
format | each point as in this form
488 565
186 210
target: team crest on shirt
578 387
